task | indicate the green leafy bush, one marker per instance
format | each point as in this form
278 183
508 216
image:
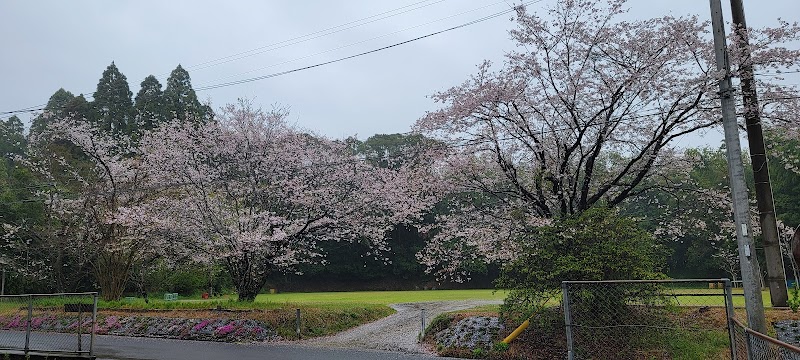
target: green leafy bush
598 244
794 300
500 347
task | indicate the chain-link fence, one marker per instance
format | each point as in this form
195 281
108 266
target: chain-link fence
48 323
644 319
752 345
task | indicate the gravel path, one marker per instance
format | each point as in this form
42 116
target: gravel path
397 332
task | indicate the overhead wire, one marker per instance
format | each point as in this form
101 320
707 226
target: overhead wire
40 107
262 77
270 47
777 72
310 36
241 81
354 43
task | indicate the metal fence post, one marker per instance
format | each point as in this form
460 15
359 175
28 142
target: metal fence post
748 344
298 323
28 325
729 314
422 332
94 326
567 320
80 323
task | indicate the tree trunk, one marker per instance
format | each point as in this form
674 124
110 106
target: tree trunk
112 276
248 281
794 248
248 295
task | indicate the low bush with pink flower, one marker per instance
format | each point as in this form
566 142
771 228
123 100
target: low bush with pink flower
223 329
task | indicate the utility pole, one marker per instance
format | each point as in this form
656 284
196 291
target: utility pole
747 255
776 277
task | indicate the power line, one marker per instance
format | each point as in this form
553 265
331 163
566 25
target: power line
242 81
22 111
777 73
29 108
271 47
355 43
40 107
312 36
257 78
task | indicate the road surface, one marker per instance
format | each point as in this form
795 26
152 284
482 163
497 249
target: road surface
132 348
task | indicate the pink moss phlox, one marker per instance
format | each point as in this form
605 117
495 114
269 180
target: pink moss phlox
226 329
15 322
37 322
201 325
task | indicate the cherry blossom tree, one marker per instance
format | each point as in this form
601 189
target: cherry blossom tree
788 237
703 214
702 208
587 111
258 196
98 197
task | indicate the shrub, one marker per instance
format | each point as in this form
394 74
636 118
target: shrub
439 323
794 300
598 244
500 347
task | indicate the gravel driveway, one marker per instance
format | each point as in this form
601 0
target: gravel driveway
397 332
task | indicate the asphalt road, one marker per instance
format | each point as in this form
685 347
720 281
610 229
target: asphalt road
130 348
125 348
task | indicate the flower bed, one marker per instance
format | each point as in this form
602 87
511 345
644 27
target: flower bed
218 329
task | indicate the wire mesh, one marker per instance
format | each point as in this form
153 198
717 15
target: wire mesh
48 323
740 347
642 319
750 345
13 322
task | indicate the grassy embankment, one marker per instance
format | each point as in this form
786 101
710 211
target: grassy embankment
322 313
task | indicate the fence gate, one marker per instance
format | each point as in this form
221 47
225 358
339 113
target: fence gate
48 323
644 318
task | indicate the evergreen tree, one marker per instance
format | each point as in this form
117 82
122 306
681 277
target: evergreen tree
12 137
150 111
55 108
181 100
785 175
112 106
78 108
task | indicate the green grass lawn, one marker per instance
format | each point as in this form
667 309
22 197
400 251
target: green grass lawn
718 300
330 300
380 297
356 298
361 298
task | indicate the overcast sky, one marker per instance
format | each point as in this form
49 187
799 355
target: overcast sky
52 44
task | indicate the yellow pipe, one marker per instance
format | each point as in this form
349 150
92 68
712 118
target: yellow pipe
516 332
